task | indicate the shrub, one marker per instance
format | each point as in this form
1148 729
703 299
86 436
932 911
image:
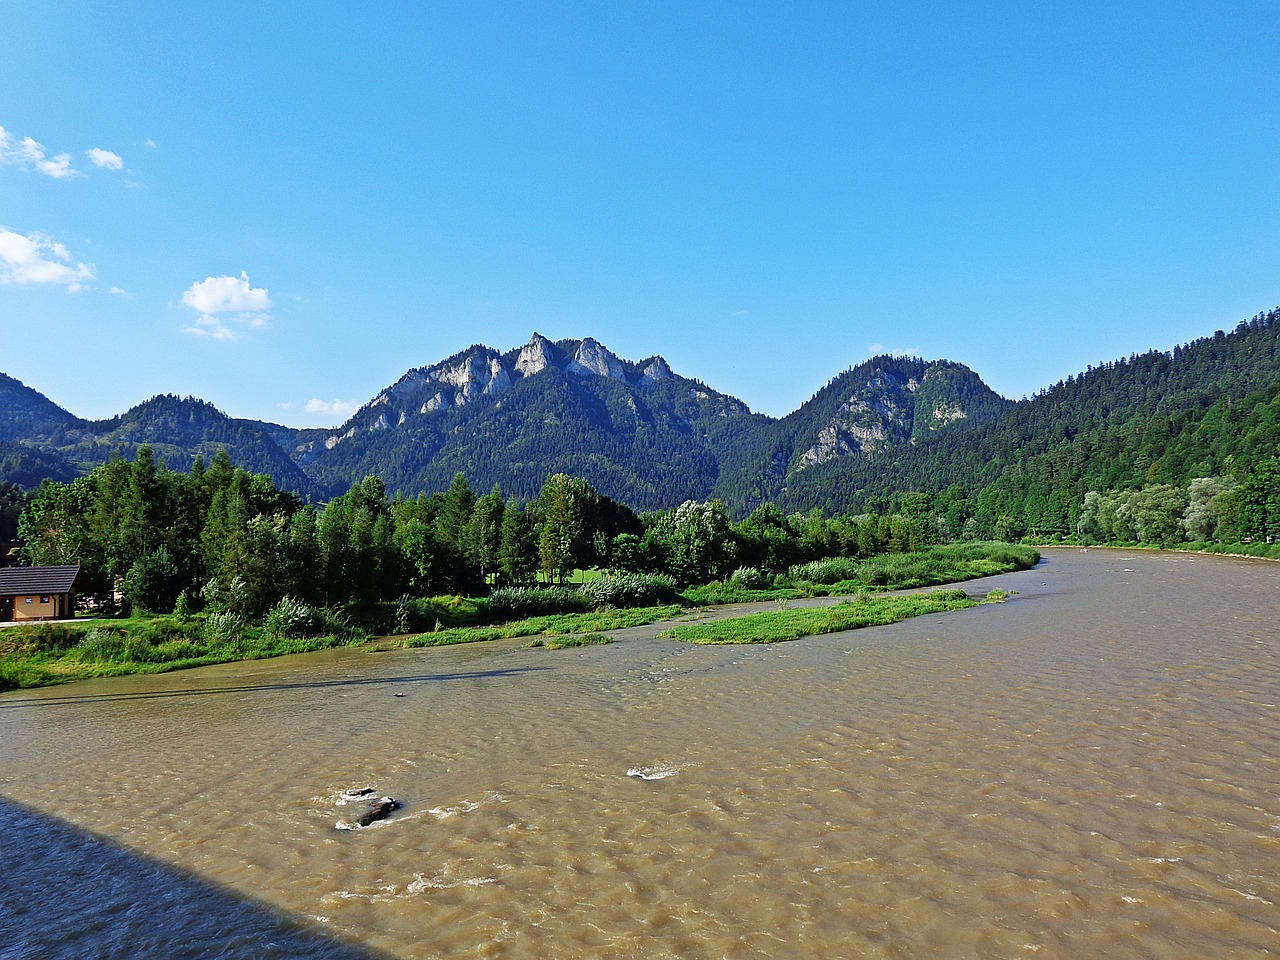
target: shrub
517 603
829 570
291 618
751 578
224 627
49 637
629 590
101 645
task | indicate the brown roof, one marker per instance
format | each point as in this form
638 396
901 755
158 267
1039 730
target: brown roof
49 580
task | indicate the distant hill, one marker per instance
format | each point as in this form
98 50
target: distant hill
27 414
642 434
884 404
1210 407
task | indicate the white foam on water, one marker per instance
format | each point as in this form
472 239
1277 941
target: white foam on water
421 884
658 772
465 806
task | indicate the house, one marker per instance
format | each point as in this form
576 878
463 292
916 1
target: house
39 593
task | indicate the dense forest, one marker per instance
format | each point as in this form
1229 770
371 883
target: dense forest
1210 409
155 535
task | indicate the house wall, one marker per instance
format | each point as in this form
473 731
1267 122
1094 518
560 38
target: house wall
35 607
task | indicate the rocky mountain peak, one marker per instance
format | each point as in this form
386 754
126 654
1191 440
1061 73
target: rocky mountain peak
535 356
655 369
594 359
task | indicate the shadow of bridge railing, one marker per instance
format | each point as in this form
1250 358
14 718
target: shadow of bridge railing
67 894
66 696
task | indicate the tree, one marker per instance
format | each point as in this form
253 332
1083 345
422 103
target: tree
696 541
560 531
1259 500
518 556
1202 518
1158 511
1089 527
483 534
152 584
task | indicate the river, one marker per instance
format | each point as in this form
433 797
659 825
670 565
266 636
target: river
1089 769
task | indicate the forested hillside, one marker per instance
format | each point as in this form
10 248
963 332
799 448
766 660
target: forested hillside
1205 409
636 432
881 405
888 432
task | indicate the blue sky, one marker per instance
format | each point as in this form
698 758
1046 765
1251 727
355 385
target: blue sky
280 208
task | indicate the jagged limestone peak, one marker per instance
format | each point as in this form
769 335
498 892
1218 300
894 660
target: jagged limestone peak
593 358
654 370
535 356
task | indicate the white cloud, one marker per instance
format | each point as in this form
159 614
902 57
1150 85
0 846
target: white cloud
105 159
29 154
227 295
226 306
337 408
118 291
213 328
39 259
149 143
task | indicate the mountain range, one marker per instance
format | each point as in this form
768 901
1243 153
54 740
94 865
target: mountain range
643 434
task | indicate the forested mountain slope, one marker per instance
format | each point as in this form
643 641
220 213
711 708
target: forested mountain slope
27 414
635 431
1206 408
639 433
881 405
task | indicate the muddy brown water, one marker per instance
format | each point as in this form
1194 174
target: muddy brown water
1090 769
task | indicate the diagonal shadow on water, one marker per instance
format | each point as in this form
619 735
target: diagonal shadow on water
9 703
67 894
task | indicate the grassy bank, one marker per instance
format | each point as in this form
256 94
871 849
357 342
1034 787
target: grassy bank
47 653
774 626
552 629
841 576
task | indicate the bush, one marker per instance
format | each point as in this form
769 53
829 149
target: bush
292 618
101 645
49 637
751 578
828 571
517 603
224 627
629 590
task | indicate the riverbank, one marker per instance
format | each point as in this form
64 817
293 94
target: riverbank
49 653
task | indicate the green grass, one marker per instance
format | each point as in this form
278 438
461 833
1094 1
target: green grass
48 653
950 563
562 643
775 626
712 594
550 625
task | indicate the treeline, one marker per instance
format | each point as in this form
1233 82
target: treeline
158 538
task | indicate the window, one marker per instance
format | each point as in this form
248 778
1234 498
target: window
44 599
28 599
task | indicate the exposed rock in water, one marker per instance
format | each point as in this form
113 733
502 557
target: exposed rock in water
373 807
378 810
